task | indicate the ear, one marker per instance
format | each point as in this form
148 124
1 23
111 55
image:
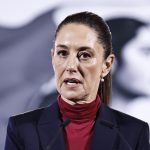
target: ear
107 65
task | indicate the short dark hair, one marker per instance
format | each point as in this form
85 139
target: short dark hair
96 23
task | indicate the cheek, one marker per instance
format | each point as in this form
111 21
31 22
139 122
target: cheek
57 72
57 64
92 63
59 68
93 69
95 66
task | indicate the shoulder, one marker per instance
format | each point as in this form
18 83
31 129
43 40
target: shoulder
124 120
130 129
32 116
28 116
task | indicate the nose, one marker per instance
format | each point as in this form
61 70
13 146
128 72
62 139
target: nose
72 64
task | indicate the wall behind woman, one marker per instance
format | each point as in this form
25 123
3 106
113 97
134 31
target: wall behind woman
26 37
131 76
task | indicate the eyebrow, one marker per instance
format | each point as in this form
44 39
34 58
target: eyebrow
62 46
82 48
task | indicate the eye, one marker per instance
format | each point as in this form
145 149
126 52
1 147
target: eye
62 53
84 56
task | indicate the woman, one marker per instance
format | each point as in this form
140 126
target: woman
132 51
80 120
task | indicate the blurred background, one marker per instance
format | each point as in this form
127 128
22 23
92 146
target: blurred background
26 37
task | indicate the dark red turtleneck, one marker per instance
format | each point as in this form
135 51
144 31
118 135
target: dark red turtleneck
79 132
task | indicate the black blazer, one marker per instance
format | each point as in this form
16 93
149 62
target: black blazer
113 130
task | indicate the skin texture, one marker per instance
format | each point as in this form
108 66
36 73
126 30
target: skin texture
78 55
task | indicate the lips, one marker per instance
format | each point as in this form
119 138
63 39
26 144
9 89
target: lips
72 80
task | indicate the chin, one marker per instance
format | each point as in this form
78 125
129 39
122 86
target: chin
73 96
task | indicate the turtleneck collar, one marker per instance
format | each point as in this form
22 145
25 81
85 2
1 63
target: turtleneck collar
79 113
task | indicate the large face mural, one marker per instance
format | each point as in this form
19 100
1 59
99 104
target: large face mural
131 74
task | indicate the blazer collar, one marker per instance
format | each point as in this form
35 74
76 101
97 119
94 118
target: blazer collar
103 135
106 134
49 125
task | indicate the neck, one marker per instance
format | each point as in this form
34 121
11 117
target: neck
79 113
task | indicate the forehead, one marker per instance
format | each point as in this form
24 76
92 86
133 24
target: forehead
76 34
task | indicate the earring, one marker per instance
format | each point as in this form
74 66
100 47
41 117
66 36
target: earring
102 79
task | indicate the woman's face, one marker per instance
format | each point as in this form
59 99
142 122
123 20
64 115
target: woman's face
78 63
134 74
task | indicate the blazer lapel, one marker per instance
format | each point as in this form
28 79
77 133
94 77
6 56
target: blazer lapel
106 135
103 135
49 126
